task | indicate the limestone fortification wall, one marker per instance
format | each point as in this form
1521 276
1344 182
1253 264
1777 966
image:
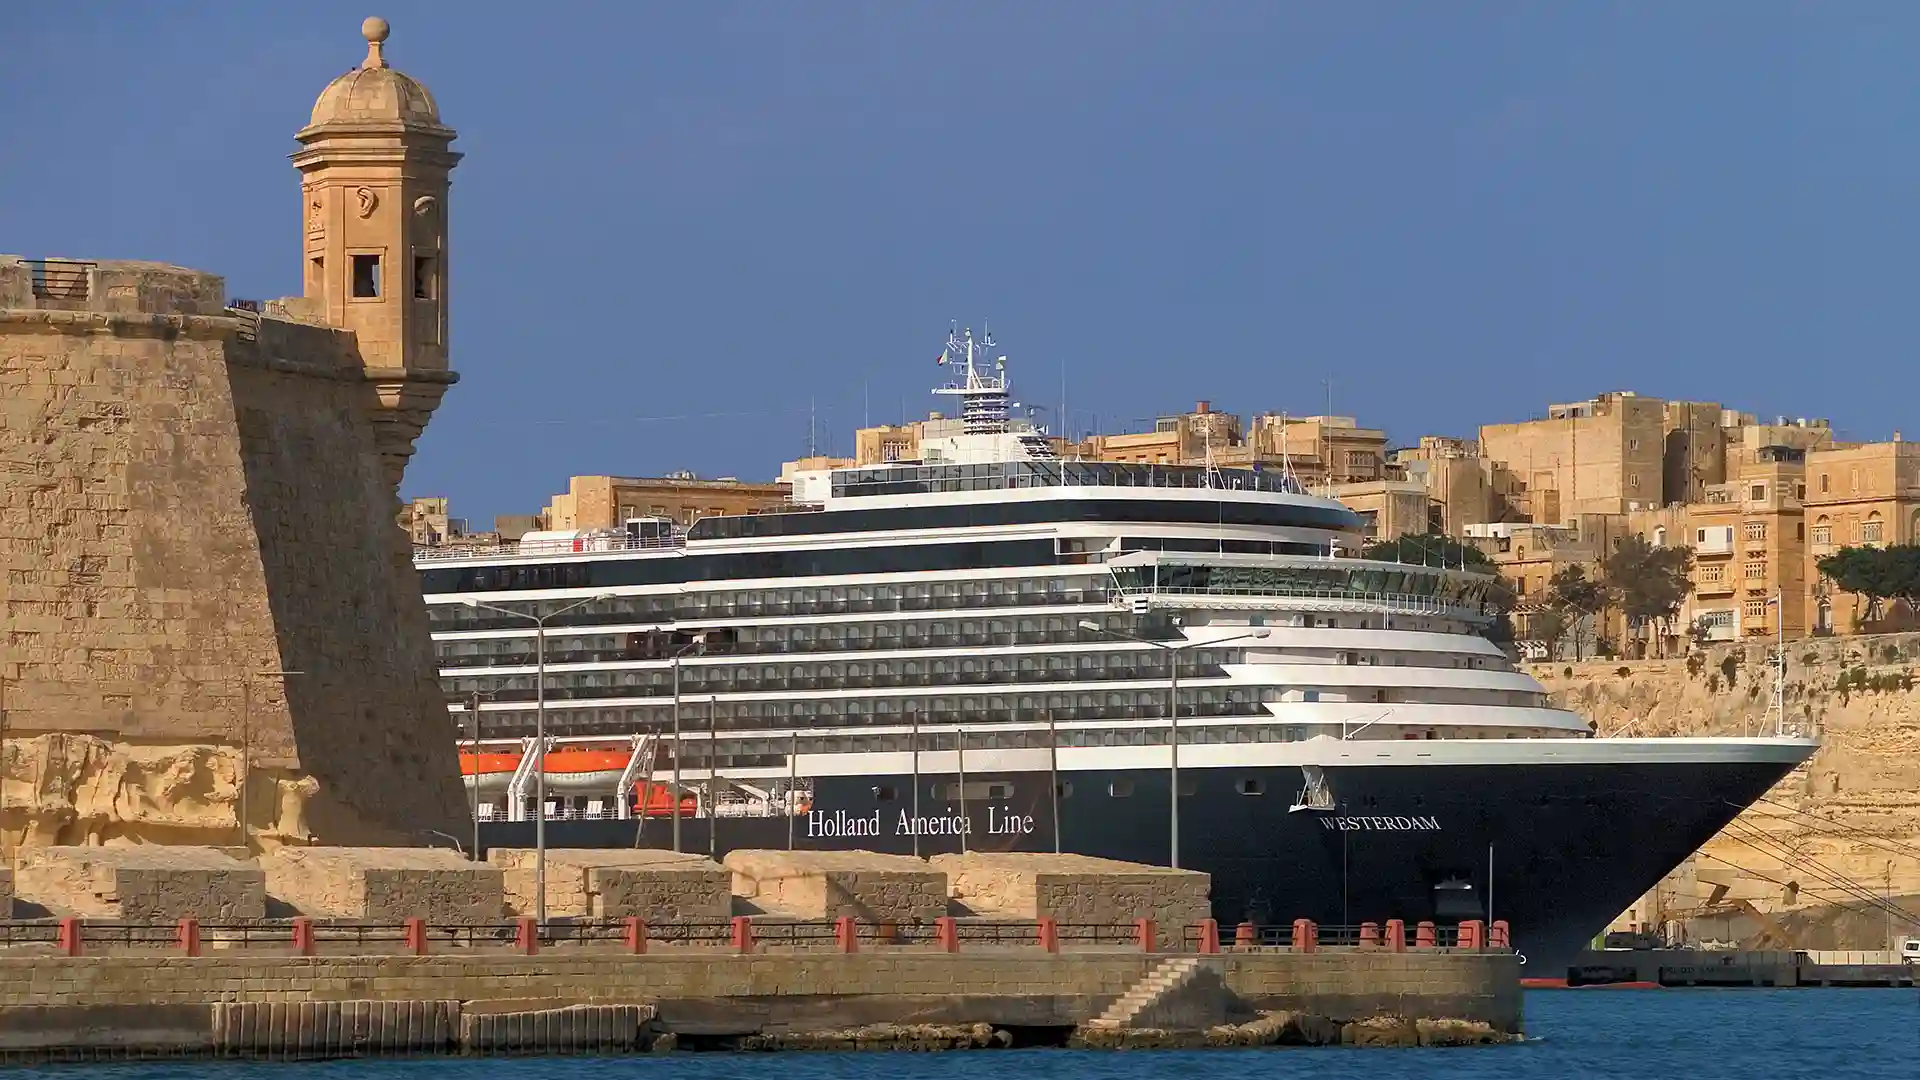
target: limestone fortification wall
1855 807
190 495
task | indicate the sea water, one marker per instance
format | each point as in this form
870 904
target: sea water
1612 1034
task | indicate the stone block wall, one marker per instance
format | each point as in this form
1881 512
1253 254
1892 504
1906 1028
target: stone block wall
864 885
385 884
810 992
190 496
1077 889
143 884
658 886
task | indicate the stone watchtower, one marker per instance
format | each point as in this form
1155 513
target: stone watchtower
374 164
211 630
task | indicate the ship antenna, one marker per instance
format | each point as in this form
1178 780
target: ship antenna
981 388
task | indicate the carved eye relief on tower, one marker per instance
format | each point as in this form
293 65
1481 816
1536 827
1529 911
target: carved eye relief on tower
316 212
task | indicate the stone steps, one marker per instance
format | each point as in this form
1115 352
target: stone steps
1167 978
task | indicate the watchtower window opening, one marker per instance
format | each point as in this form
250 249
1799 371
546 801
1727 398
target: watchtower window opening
424 285
366 276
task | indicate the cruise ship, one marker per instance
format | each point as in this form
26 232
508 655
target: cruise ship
993 648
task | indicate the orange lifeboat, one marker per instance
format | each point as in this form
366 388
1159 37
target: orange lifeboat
571 771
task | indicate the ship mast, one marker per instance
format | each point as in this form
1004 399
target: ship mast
980 386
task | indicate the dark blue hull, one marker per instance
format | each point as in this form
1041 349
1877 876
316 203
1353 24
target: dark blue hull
1556 850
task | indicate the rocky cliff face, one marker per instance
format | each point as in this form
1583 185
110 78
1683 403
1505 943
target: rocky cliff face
1848 820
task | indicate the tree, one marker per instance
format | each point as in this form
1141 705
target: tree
1547 626
1573 596
1877 573
1651 582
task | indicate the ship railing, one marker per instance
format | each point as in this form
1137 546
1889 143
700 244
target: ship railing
586 545
738 934
1336 599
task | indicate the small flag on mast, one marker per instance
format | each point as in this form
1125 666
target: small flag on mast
943 357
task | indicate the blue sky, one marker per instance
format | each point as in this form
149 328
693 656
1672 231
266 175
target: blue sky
678 224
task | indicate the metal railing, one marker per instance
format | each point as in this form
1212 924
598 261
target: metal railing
735 935
585 545
1397 603
60 279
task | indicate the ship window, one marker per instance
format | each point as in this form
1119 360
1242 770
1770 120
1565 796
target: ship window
884 792
1251 786
1064 789
1120 789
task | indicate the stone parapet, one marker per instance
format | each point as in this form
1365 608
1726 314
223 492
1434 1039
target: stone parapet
863 885
148 884
1076 889
658 886
385 884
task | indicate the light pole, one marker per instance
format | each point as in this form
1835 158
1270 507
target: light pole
246 746
674 663
1173 714
539 738
471 700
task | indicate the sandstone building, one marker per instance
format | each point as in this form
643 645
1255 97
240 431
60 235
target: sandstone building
213 630
607 502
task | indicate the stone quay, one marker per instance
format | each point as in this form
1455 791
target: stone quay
165 952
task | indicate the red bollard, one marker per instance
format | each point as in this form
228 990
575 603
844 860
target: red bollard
1246 936
1147 934
1397 935
1306 936
946 934
1209 936
742 934
189 936
69 937
303 936
1050 935
846 934
526 937
1473 935
416 936
1501 936
1369 935
634 934
1423 935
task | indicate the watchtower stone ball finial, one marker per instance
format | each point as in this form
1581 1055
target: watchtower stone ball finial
375 30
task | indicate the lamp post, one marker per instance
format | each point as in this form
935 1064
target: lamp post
246 746
1173 714
539 737
471 701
